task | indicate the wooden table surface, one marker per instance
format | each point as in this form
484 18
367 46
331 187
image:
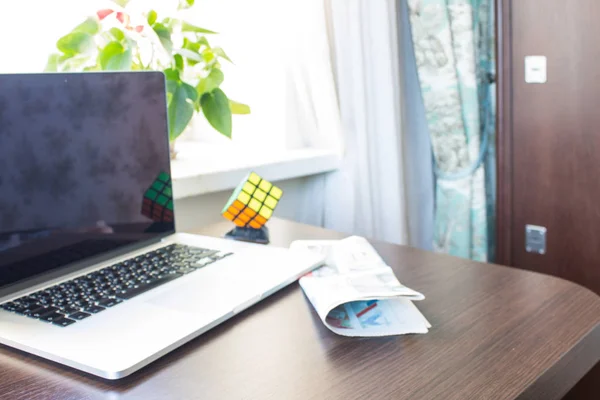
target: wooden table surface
498 333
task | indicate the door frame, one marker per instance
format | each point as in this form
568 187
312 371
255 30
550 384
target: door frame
504 132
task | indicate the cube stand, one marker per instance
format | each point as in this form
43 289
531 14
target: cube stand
247 234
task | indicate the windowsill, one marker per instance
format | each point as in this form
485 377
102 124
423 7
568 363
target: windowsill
204 168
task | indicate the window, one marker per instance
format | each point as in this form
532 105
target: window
259 36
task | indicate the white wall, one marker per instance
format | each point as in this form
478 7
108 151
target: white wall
194 212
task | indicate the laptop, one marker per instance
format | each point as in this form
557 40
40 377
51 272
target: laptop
93 272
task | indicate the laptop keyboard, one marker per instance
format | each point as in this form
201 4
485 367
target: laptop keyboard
68 302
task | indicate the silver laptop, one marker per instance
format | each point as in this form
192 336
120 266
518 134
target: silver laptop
93 273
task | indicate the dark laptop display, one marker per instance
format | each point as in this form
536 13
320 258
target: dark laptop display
84 168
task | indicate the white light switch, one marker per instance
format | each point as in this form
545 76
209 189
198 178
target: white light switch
536 69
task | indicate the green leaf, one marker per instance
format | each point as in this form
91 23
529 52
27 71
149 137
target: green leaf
211 82
77 63
192 46
75 43
110 50
178 62
117 34
215 107
190 55
89 26
221 53
52 64
114 57
203 41
120 62
190 50
172 86
208 56
187 27
239 108
152 15
172 74
190 91
164 35
180 110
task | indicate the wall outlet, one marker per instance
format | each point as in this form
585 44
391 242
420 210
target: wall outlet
535 239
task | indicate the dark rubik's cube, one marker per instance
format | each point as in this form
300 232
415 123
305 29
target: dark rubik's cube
158 200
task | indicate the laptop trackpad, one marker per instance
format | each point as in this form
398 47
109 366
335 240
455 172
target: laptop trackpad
219 290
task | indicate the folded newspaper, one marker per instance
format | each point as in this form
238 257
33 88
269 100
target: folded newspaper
356 294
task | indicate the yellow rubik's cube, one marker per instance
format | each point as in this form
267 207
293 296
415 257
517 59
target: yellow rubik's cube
253 202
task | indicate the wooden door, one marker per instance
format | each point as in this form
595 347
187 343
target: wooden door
549 138
549 143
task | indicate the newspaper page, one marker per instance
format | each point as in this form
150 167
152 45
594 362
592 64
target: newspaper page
356 294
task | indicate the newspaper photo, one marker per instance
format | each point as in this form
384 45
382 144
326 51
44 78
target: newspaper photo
356 294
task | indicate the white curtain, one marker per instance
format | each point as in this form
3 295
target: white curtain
352 46
417 145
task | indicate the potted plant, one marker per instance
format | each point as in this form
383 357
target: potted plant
116 40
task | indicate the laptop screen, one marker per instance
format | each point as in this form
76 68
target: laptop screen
84 168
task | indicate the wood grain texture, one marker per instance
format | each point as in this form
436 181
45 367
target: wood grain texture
498 333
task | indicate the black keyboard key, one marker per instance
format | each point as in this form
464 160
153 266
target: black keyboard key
69 310
51 317
10 306
29 311
82 304
94 309
16 308
109 302
63 322
109 292
130 293
93 297
79 315
43 311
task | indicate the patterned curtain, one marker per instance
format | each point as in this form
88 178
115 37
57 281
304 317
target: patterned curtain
454 49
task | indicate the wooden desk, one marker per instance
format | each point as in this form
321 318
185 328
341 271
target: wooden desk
498 333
